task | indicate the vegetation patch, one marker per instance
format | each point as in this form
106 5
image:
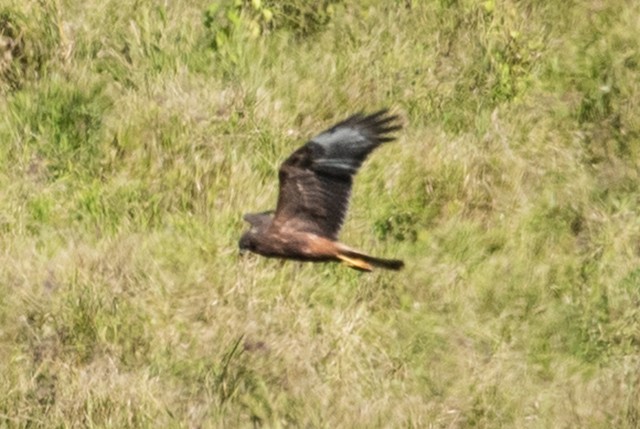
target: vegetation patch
136 134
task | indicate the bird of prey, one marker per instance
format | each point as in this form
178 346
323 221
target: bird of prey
315 185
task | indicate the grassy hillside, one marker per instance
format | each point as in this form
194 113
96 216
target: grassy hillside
134 135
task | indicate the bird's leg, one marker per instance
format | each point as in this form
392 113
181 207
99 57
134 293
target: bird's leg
356 263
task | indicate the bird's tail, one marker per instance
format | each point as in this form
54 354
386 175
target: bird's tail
362 262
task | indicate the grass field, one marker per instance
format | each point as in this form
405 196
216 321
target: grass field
134 135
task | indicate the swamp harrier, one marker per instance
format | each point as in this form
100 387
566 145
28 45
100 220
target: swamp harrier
315 184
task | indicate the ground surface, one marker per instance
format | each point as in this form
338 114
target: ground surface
133 135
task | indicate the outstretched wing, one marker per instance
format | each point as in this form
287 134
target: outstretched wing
315 181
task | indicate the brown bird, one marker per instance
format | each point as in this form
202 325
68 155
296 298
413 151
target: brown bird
315 185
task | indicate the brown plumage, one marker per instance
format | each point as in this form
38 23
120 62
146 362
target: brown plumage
315 185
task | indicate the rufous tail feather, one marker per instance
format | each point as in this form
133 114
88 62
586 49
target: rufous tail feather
362 262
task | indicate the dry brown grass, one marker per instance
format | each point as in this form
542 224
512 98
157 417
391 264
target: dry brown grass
132 144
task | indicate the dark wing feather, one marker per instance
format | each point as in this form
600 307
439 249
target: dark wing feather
259 220
315 181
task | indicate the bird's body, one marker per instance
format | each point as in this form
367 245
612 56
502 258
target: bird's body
315 185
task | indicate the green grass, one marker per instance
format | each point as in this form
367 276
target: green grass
134 135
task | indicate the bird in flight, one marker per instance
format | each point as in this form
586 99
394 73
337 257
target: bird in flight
315 185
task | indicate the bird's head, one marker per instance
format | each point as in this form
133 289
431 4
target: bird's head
259 222
247 241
